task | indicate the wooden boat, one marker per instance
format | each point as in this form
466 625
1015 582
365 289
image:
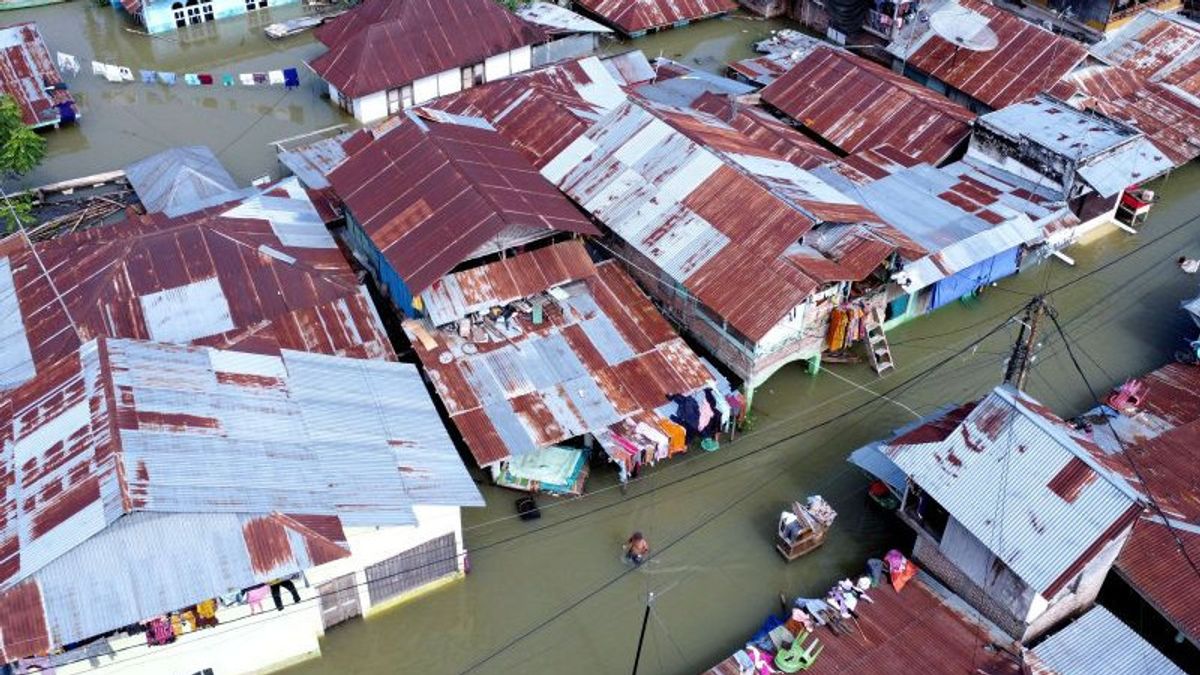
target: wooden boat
802 529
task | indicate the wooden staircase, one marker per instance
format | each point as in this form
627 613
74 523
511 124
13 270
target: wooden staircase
878 349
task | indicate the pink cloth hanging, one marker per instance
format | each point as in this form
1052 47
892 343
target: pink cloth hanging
256 596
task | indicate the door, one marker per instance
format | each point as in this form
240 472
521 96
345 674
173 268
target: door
180 14
412 569
339 600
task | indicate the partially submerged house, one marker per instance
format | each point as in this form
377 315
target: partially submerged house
781 52
853 104
29 76
383 57
1087 158
254 274
1013 508
543 355
753 277
1105 16
180 180
144 481
635 18
982 56
973 226
1146 78
161 16
571 35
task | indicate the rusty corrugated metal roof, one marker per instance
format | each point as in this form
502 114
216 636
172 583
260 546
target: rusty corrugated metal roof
765 131
1153 81
1155 567
99 473
1046 537
28 75
540 112
259 274
856 105
635 16
1028 60
432 195
917 630
384 44
601 354
661 178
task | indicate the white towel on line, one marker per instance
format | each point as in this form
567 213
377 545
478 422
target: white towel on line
275 77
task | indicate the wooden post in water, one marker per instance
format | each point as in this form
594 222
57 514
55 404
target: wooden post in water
642 635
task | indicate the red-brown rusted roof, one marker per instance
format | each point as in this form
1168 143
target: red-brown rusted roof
1028 60
600 355
384 44
259 293
28 75
542 111
856 105
1155 567
914 631
634 16
432 195
762 129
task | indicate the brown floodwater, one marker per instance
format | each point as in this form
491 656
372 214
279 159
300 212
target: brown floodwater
552 596
122 123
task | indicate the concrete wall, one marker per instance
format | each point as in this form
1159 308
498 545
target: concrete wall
930 558
159 15
245 642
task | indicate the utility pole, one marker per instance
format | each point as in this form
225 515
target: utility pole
1019 362
642 636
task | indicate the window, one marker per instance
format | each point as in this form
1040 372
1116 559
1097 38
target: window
399 99
252 5
472 75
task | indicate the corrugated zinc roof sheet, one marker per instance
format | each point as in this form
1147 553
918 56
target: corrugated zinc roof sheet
766 131
1155 567
432 195
271 276
633 16
556 19
600 354
1098 643
29 77
541 112
384 44
102 449
1041 534
856 105
180 180
1027 61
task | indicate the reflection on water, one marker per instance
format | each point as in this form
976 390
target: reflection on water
122 123
708 45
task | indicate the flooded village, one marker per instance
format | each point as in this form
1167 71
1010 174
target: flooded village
730 337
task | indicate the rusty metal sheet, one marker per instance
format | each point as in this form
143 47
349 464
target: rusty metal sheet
636 16
766 131
1045 536
1151 563
530 385
29 76
856 105
432 195
385 45
1028 60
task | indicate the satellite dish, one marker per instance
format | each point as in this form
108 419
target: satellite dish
964 28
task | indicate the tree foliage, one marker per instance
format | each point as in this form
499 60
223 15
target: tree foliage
21 149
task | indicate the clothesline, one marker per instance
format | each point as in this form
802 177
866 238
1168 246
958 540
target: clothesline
288 77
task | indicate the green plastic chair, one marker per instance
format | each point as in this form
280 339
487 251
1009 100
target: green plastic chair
798 657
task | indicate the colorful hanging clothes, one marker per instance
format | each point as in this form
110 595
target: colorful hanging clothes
147 76
206 79
228 80
662 444
291 78
126 74
246 79
260 78
835 337
191 79
275 77
706 414
158 632
99 68
676 436
167 78
112 73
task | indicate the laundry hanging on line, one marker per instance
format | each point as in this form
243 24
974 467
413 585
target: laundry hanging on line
288 77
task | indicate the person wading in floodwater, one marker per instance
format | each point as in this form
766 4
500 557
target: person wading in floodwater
637 548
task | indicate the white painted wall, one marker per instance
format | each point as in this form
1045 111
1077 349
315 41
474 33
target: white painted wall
243 642
371 107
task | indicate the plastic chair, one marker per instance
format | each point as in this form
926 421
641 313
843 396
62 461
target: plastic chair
798 657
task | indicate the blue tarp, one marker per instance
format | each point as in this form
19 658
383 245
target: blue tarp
967 280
